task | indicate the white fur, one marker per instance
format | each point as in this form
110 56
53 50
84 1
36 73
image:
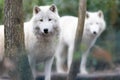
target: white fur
1 42
93 27
39 44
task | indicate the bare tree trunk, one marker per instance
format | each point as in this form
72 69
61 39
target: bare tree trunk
113 12
76 57
14 40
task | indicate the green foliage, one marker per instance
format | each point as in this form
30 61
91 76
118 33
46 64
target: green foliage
65 7
1 11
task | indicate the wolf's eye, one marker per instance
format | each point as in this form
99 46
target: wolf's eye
41 20
49 19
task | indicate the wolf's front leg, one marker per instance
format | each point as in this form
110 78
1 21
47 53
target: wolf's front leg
83 63
60 57
59 64
70 56
48 65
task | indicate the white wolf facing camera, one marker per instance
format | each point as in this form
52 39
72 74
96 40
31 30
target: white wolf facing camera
94 25
41 34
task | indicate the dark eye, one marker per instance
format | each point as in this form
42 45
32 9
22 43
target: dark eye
49 19
41 20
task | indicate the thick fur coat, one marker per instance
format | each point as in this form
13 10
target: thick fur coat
93 27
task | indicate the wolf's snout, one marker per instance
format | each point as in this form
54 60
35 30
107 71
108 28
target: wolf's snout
46 31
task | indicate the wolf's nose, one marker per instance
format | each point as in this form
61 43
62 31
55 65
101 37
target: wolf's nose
46 31
94 32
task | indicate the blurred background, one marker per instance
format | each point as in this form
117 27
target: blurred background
109 40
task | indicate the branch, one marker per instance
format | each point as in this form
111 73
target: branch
115 75
94 76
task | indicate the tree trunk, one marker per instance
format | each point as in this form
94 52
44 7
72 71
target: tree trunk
14 40
113 12
76 57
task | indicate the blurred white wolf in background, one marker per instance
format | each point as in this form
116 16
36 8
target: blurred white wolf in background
94 25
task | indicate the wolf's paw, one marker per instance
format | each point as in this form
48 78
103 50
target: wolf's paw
62 72
83 72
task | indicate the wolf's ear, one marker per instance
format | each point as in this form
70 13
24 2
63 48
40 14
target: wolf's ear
87 15
36 9
53 8
100 14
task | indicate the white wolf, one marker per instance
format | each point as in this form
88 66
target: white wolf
94 25
41 34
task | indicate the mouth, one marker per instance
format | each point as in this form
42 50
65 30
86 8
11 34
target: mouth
42 35
93 35
45 34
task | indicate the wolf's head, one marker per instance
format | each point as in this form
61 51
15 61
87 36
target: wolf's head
94 23
45 20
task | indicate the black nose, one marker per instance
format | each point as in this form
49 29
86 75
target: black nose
46 31
94 32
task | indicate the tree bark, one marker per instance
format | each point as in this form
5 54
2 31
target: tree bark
113 12
76 57
14 40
